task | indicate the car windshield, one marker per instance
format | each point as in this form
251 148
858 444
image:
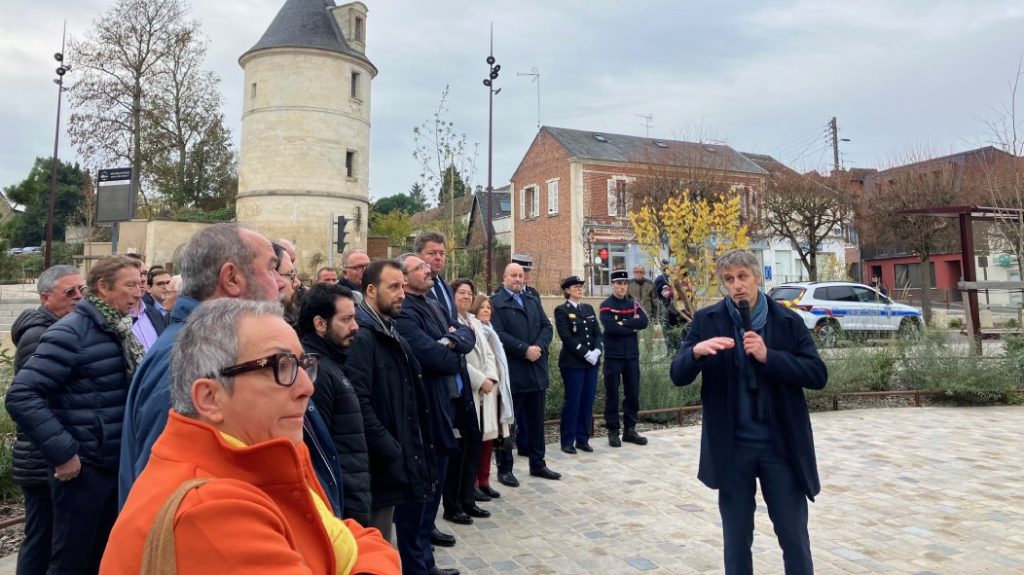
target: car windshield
786 293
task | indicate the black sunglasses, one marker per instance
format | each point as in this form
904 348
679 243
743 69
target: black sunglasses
285 364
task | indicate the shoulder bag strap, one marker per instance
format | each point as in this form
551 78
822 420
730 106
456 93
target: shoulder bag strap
158 555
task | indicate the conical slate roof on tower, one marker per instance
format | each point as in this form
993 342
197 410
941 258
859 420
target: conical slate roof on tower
305 24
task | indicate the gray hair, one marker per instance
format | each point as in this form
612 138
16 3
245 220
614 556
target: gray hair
422 239
208 343
206 253
48 279
741 258
350 253
402 258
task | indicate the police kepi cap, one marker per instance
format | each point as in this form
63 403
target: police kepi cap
620 276
523 259
571 281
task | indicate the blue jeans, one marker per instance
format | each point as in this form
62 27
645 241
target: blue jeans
786 502
578 409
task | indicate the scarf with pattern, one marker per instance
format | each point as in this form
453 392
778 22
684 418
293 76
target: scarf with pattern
122 326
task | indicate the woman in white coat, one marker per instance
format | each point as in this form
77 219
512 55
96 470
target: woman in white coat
488 374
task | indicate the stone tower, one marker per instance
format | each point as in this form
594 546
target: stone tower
305 152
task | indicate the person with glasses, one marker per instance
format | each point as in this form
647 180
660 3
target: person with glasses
354 264
327 326
289 294
60 288
230 473
147 322
69 399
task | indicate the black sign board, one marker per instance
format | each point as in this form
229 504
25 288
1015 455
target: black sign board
114 195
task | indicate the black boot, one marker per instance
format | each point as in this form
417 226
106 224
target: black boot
633 437
613 438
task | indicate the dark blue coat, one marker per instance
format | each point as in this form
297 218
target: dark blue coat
579 331
422 328
69 397
27 464
793 364
396 414
519 327
621 327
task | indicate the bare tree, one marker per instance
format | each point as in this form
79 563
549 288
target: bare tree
119 60
443 154
803 210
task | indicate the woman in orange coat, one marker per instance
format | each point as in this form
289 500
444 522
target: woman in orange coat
239 390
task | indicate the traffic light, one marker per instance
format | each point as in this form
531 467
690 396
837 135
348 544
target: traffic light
342 222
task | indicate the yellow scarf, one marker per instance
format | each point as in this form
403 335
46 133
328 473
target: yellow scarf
342 541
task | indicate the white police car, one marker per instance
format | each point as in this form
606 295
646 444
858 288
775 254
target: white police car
831 308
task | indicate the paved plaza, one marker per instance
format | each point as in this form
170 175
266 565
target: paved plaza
911 490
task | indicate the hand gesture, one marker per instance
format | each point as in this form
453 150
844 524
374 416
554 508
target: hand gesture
753 344
712 346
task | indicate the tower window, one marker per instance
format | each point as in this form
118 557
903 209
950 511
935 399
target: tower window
358 35
350 164
355 85
252 91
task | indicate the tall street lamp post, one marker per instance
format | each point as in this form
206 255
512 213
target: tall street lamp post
489 220
62 69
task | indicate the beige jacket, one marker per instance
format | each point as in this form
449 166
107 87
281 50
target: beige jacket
482 363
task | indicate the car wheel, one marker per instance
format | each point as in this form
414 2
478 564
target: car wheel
828 333
910 329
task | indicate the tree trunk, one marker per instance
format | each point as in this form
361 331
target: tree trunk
812 270
136 148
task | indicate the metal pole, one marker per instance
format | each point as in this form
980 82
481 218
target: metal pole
48 254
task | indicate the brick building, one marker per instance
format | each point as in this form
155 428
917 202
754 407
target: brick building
982 176
572 191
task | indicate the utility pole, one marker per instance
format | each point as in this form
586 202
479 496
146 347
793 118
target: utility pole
648 118
492 75
62 69
834 131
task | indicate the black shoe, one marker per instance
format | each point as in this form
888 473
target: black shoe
585 447
508 479
435 570
477 511
522 453
633 437
569 449
613 439
490 492
545 473
441 539
460 517
480 495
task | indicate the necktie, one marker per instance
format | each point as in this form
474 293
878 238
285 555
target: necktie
519 298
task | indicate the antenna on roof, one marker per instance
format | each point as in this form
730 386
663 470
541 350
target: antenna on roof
648 120
535 74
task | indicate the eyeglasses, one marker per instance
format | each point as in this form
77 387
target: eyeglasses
71 291
285 364
291 275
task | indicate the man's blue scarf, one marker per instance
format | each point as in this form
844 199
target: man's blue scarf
744 365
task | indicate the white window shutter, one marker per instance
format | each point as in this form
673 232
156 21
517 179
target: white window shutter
553 197
536 201
522 204
613 198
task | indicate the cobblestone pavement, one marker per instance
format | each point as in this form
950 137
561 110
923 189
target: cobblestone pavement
913 490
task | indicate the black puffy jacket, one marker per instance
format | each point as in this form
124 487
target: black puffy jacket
396 414
338 405
69 397
28 466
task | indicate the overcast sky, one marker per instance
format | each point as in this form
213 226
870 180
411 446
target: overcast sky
763 77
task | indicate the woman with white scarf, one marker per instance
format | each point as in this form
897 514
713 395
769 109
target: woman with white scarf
488 374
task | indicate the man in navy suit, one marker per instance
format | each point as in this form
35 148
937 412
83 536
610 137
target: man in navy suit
525 332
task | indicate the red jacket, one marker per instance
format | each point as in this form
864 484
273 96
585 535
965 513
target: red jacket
257 516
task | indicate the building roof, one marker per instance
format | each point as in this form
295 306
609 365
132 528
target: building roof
501 207
462 206
306 24
603 146
983 154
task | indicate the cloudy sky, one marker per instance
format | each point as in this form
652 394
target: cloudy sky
763 77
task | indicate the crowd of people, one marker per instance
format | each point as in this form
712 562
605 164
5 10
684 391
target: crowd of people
232 419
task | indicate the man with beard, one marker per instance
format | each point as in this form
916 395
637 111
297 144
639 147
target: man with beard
396 420
289 294
327 326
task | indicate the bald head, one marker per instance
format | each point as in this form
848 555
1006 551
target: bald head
288 247
513 279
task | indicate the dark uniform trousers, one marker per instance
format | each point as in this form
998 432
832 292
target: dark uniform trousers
529 408
78 544
787 507
628 371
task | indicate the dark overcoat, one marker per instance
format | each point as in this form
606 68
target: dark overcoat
519 327
580 333
793 364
